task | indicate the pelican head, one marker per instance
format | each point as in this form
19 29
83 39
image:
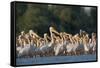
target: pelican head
93 34
22 32
30 31
51 28
70 35
76 35
45 34
19 37
87 35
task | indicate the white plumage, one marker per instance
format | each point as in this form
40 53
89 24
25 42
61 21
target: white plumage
58 44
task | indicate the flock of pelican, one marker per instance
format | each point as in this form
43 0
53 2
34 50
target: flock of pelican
58 43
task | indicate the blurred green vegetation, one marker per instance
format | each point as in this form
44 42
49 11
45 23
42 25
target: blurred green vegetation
39 17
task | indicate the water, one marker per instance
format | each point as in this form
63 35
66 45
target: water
54 59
